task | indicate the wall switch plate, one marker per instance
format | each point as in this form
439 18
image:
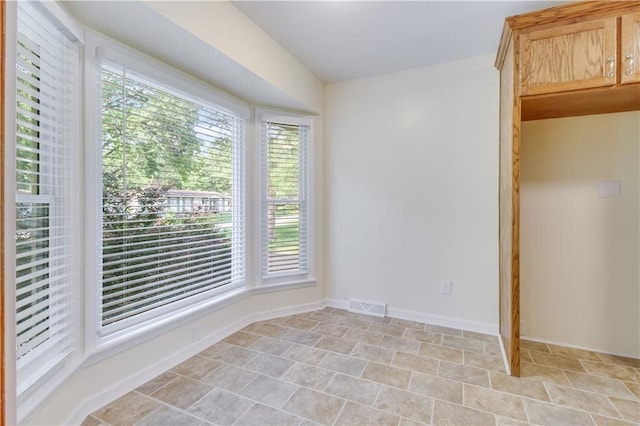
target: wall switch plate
522 327
609 189
445 287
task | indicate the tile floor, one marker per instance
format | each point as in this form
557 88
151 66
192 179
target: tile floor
336 367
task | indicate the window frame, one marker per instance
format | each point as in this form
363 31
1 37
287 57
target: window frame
98 47
260 179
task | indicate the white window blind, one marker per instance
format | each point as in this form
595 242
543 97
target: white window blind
173 209
47 74
285 198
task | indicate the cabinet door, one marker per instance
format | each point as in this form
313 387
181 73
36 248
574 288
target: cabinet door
569 57
630 71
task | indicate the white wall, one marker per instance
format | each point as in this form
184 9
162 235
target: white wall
579 253
412 172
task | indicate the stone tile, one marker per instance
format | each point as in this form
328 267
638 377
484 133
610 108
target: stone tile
302 337
261 415
230 378
445 413
440 352
324 317
235 355
251 327
344 364
575 353
271 330
462 373
169 416
423 336
415 363
547 414
400 344
525 356
309 376
330 329
387 375
196 367
534 346
300 323
355 323
405 404
581 400
127 409
241 338
630 410
505 421
436 387
156 383
557 361
518 386
181 392
215 349
462 343
492 349
305 354
375 318
387 329
488 362
620 360
358 415
345 313
335 344
269 391
479 336
499 403
220 407
314 406
543 374
443 330
627 374
269 365
407 324
373 353
92 421
353 389
608 421
407 422
601 385
362 336
270 346
634 388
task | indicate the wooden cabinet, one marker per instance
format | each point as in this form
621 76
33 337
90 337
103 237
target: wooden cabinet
555 63
630 48
569 57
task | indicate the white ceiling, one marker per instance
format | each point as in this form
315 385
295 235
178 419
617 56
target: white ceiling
341 40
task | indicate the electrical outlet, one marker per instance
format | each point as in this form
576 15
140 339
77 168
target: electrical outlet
446 287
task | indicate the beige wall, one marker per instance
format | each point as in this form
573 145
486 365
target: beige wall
579 253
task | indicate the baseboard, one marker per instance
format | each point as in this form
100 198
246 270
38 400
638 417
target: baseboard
475 326
131 382
584 348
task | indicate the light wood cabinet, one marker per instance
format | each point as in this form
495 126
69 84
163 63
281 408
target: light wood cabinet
569 57
555 63
630 48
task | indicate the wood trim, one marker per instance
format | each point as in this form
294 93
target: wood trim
572 12
3 39
600 100
504 45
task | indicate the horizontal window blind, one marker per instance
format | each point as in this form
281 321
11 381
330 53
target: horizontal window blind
284 206
172 197
46 69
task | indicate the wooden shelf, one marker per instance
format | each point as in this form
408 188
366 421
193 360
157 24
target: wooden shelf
601 100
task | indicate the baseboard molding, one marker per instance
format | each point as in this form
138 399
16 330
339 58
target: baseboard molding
97 401
584 348
475 326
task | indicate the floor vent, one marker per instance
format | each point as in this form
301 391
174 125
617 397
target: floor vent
375 309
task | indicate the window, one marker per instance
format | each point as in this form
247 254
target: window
163 152
47 72
285 208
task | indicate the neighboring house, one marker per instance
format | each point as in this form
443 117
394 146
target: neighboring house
184 201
